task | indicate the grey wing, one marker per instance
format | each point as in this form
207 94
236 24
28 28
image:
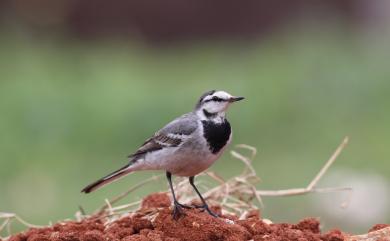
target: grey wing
184 125
172 135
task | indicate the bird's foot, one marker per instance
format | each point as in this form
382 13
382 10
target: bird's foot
205 207
177 211
198 206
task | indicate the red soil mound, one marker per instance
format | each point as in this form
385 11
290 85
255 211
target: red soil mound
194 226
378 227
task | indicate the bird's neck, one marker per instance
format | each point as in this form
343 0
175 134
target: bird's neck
217 117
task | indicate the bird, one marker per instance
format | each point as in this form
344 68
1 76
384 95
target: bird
185 147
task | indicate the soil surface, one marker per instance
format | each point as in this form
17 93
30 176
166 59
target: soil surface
153 222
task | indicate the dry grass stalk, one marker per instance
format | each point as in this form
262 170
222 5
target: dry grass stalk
8 218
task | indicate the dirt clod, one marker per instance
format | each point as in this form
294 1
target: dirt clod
156 200
333 235
310 224
378 227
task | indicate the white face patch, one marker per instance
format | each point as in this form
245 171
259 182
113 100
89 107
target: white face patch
223 95
216 103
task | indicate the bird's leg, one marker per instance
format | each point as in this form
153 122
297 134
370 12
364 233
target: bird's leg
204 206
177 211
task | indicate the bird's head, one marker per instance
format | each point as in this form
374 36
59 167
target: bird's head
214 104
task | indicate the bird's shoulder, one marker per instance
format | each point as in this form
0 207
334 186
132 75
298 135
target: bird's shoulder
171 135
183 125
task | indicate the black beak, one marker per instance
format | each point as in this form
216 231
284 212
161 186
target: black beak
236 98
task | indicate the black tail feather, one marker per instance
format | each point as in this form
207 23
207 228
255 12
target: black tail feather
107 179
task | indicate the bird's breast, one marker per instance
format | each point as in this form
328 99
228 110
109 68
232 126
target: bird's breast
216 134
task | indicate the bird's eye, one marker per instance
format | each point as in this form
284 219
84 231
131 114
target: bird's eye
215 98
218 99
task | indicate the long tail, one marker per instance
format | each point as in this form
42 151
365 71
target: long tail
107 179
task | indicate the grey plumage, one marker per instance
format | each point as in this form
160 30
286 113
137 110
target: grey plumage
185 147
169 136
185 124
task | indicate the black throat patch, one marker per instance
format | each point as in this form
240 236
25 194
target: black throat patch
216 134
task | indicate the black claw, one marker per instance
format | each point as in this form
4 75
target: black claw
206 208
198 206
211 212
177 212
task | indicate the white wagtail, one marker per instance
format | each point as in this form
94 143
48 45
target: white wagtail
185 147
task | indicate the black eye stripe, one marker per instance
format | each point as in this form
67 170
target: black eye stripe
215 98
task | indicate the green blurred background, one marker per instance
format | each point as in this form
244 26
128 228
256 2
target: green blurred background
76 99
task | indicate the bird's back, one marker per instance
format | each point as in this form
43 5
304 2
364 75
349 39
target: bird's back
184 125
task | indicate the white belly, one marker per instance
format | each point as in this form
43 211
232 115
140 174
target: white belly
180 161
